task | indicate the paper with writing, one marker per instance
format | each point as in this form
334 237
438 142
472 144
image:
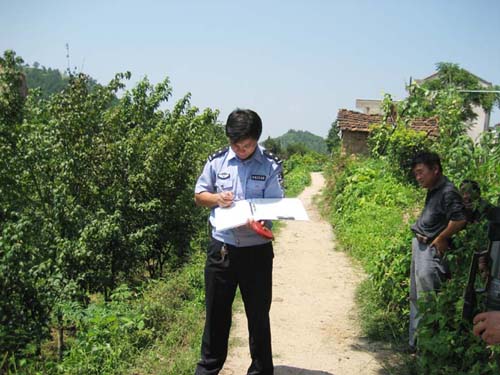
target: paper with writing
259 209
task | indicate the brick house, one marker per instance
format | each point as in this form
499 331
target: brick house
355 129
475 127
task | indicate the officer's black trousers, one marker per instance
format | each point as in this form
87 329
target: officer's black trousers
250 268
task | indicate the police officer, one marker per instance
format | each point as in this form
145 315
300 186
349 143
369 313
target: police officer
239 256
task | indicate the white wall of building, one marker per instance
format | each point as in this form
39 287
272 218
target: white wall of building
480 124
368 106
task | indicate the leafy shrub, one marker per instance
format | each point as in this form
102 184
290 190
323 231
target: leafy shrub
399 144
108 337
370 210
445 342
174 308
297 171
96 191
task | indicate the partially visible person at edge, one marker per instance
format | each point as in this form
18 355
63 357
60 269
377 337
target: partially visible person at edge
476 210
486 324
442 216
239 256
475 206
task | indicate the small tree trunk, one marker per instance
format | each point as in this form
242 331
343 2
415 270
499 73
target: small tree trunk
60 337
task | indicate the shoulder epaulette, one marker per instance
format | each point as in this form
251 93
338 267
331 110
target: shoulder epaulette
272 156
218 153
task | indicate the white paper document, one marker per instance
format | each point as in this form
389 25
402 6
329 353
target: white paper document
259 209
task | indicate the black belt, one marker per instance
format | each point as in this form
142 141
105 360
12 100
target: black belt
423 239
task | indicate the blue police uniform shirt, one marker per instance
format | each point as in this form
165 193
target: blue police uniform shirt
259 176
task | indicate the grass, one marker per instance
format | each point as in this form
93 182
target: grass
176 350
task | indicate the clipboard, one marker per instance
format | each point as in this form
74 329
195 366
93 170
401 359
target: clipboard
258 209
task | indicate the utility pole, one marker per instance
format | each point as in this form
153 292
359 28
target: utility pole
67 58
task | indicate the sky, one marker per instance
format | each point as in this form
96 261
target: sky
296 63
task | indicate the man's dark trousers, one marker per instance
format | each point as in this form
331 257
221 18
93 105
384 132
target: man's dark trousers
428 271
250 268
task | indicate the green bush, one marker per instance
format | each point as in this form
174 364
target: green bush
174 309
445 342
399 144
370 211
96 192
148 332
297 171
108 337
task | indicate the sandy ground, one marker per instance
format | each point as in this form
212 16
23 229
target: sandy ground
313 315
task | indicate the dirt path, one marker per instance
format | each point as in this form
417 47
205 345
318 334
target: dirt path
313 317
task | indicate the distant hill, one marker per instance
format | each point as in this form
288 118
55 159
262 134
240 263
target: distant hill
49 80
308 139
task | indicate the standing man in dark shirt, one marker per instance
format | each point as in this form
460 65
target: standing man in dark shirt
443 216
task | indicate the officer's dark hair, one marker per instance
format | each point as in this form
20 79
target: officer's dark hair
430 159
242 124
473 184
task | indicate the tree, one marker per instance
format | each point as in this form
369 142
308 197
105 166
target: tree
24 311
296 148
95 191
333 139
451 76
273 145
50 81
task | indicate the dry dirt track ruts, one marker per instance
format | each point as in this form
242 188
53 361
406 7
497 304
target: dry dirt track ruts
313 318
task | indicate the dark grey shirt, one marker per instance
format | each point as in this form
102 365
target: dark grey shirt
442 204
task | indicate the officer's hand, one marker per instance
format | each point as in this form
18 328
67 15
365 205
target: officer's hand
441 245
487 325
225 198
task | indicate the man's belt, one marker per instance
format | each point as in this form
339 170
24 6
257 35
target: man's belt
423 239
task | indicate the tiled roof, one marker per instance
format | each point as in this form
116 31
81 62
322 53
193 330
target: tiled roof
356 121
360 122
428 125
